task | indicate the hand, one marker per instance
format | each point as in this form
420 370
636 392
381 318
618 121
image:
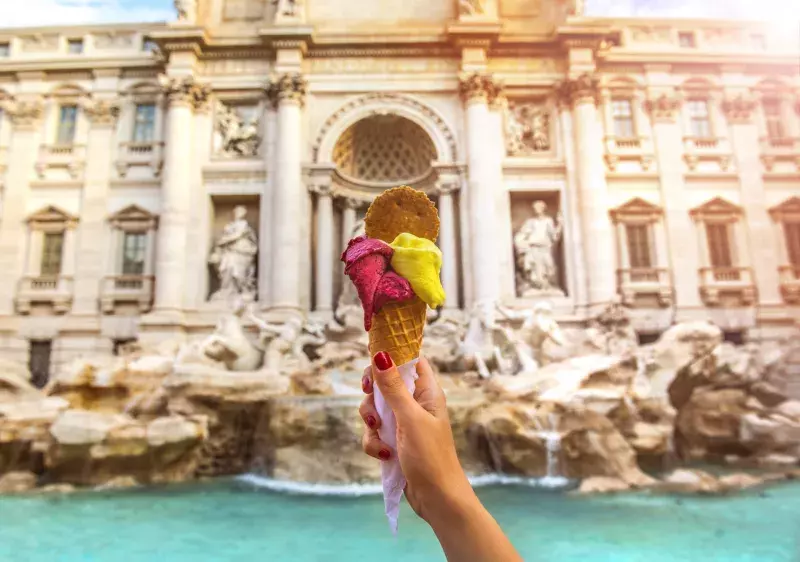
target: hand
425 443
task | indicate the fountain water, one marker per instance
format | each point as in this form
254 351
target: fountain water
552 440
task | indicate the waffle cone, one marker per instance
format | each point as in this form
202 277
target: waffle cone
397 330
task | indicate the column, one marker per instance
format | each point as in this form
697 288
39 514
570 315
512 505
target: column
591 176
757 225
447 240
577 279
182 94
682 257
477 91
324 248
287 93
26 120
91 265
349 207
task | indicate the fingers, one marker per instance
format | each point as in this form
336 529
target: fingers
366 380
374 447
391 385
427 391
368 412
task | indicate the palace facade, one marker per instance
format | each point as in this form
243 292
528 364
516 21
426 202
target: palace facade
665 155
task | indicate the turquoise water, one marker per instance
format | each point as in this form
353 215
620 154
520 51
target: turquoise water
232 521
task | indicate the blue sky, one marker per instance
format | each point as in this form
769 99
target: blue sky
52 12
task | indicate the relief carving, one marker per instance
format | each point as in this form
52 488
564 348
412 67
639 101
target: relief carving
527 130
113 40
237 132
471 7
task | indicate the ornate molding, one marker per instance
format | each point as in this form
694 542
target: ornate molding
664 108
385 99
102 112
479 87
289 87
24 114
582 89
739 109
187 92
447 186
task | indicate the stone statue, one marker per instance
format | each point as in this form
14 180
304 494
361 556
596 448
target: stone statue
285 343
534 244
286 8
537 329
238 138
234 258
471 7
187 11
484 340
527 130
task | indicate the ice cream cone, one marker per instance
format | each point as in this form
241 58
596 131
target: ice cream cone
397 330
397 326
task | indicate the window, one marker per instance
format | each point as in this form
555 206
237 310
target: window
758 41
51 254
67 118
791 231
39 362
134 250
699 121
638 236
686 39
75 46
772 117
622 114
719 248
149 46
144 122
5 49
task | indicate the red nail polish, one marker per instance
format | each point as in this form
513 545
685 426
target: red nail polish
366 384
382 361
371 421
384 454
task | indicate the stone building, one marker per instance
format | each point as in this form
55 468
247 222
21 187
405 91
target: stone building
573 159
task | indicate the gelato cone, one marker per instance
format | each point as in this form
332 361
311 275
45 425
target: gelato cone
397 326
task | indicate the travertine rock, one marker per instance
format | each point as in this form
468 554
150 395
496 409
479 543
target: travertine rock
311 383
709 423
679 346
739 481
15 385
24 431
603 485
690 481
16 482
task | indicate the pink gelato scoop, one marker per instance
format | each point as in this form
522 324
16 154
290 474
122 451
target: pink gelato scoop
367 264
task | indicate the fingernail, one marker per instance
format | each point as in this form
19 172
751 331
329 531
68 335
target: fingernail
384 454
366 384
382 360
371 421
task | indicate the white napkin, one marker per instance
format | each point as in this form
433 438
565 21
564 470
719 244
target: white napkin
391 474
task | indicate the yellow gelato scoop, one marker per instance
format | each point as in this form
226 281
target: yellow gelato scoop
419 262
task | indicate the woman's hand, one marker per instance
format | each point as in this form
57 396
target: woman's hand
425 443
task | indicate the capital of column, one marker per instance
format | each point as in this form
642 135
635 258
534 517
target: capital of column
583 89
102 113
739 108
447 186
185 91
290 87
480 88
350 202
320 188
663 108
24 114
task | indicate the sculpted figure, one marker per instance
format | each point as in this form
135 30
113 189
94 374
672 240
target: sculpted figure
471 7
285 344
533 245
234 257
537 329
286 7
527 130
187 10
238 138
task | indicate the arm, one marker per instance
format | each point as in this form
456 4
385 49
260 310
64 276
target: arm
438 489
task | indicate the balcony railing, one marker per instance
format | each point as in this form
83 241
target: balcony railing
140 154
44 289
70 157
789 276
780 149
736 281
128 289
641 281
631 149
706 149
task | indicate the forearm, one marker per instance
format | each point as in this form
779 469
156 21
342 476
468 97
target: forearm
468 533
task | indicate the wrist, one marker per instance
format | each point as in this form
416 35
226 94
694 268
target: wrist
454 503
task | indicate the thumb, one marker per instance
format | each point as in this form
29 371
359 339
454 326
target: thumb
391 384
